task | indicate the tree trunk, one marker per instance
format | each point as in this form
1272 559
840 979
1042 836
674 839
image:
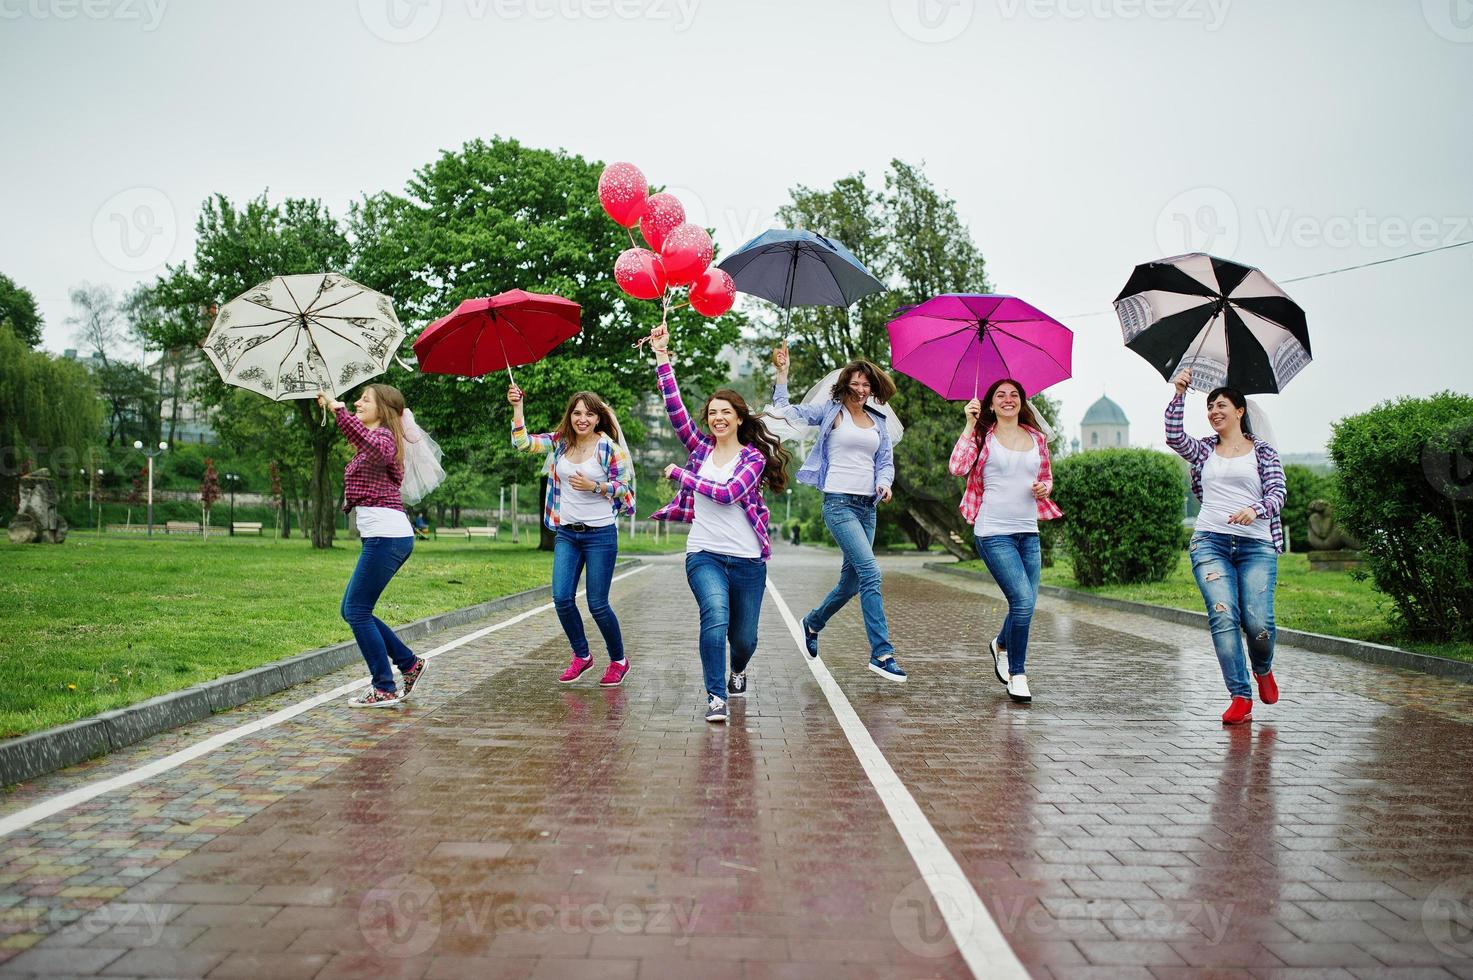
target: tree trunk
939 518
178 359
548 539
913 529
320 492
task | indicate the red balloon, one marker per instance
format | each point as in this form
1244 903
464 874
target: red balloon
621 190
713 293
662 213
640 273
686 253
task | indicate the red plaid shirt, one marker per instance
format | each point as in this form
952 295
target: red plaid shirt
969 459
374 475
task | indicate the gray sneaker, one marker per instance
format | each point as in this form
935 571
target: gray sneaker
715 709
736 685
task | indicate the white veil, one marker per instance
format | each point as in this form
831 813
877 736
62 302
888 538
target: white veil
1043 426
1258 422
422 469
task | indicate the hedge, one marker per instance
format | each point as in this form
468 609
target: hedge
1122 514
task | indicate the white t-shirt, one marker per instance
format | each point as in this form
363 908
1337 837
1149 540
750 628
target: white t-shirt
851 452
382 522
1229 485
722 529
582 506
1008 504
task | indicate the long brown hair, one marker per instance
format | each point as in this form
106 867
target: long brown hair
989 417
752 432
881 385
390 403
606 423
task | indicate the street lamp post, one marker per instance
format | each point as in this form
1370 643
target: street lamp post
150 453
788 514
233 479
91 485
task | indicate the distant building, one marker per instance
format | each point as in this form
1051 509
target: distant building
1104 426
193 422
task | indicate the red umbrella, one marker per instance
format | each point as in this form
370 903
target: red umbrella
497 332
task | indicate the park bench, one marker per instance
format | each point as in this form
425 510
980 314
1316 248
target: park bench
183 527
246 527
453 532
482 532
127 529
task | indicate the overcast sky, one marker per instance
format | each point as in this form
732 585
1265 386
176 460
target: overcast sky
1078 137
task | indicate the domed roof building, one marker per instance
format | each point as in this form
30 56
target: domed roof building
1104 426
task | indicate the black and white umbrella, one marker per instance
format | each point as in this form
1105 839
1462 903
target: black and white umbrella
1228 322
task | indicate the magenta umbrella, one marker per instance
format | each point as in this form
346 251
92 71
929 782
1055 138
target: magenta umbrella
958 344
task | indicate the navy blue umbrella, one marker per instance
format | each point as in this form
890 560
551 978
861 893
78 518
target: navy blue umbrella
799 268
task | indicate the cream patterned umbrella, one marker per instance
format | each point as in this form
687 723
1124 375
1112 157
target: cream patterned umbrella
293 336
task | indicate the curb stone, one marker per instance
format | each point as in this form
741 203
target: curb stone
1375 653
66 745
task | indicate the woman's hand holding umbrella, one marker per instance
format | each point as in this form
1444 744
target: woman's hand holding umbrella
1183 381
326 401
780 363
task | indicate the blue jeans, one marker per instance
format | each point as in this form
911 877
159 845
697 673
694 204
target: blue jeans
598 549
1016 564
1237 576
729 593
850 518
377 563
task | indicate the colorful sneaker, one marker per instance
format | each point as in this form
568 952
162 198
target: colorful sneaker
1018 688
374 698
1239 711
736 685
999 661
810 640
575 669
715 709
889 668
1268 688
412 677
614 676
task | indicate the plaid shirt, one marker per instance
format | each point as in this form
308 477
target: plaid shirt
969 459
611 456
373 475
743 488
1198 451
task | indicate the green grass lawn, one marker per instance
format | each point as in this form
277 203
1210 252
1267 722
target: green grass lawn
1333 603
102 622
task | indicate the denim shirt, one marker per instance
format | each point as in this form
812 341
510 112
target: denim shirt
815 469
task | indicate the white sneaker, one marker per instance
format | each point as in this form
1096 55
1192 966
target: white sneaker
999 661
1018 689
715 709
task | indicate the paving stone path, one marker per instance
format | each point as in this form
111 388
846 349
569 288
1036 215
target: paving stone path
499 825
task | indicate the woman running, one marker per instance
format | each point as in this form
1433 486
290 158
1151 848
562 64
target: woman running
720 495
589 484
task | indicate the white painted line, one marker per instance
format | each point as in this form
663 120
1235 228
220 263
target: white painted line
21 819
977 936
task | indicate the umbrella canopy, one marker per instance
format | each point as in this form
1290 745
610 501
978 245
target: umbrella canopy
496 333
792 429
293 336
1228 322
958 344
799 268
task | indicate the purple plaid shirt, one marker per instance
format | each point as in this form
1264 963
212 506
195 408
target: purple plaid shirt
743 488
1198 451
374 475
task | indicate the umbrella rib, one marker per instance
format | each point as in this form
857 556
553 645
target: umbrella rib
1025 340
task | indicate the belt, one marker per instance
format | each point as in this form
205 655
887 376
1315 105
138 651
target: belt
579 526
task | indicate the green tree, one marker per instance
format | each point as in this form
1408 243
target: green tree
18 312
49 413
496 215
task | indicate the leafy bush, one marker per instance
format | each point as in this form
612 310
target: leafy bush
1122 514
1304 486
1399 470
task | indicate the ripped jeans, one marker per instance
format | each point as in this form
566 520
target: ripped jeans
1237 576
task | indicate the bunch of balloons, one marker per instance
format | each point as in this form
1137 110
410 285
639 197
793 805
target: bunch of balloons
679 252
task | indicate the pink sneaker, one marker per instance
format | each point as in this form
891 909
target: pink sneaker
614 676
575 669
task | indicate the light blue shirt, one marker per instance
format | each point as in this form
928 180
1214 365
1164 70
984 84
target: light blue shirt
815 469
